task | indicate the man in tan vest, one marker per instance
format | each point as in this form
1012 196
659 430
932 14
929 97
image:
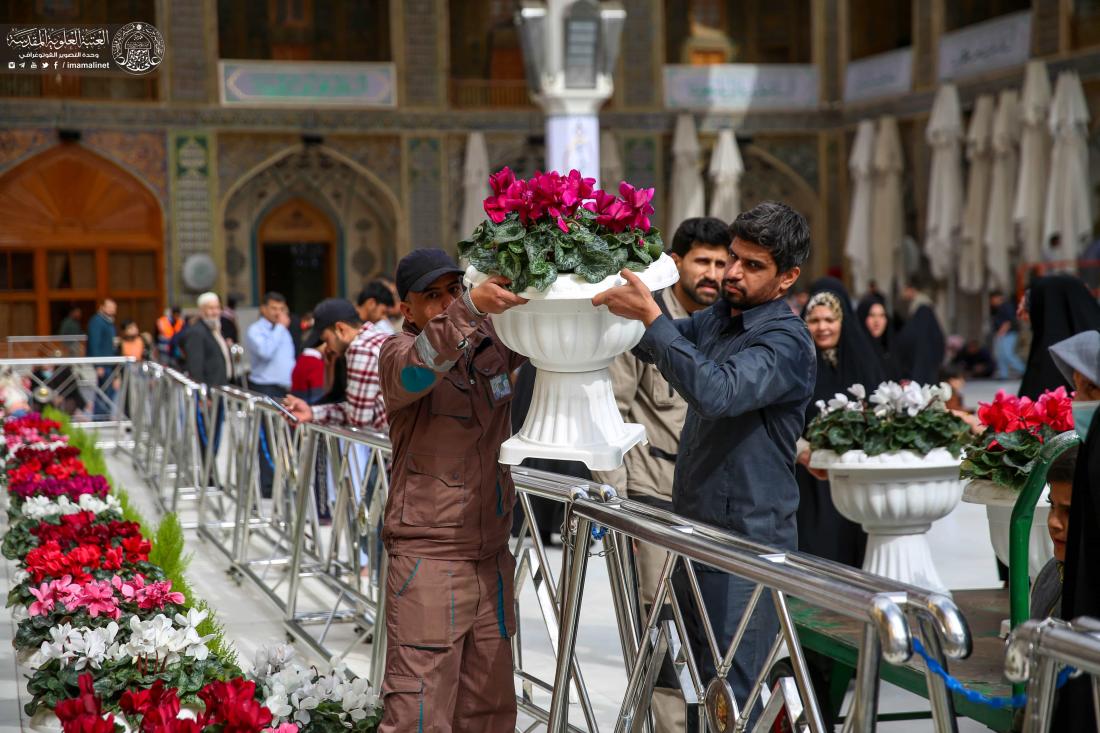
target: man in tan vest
700 248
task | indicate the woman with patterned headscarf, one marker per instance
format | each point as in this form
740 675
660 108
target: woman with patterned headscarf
845 357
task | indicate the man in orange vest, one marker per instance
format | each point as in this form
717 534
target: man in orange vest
168 326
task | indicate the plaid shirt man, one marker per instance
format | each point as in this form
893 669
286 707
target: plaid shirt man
362 406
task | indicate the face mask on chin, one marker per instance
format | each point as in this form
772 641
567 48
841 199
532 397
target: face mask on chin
213 323
1082 416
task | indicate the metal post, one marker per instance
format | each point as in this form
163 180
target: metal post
305 484
572 573
943 707
801 672
861 716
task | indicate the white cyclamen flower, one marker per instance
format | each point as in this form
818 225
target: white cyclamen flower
913 399
272 658
858 391
887 398
838 402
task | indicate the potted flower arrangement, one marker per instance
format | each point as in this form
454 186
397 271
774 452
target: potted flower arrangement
998 465
561 241
893 463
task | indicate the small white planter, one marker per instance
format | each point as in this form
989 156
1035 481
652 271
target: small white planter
999 501
44 721
573 414
896 497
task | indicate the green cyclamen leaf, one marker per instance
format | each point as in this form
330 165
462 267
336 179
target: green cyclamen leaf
509 230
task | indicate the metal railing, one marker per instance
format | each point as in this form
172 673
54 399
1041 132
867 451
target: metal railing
1037 649
322 575
92 390
46 346
884 607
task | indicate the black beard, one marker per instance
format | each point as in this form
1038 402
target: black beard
693 291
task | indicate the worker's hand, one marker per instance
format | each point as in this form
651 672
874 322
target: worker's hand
284 320
492 296
100 371
975 424
298 407
633 300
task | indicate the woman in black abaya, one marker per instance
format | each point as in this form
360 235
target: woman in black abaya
1081 585
921 345
845 357
1058 306
874 319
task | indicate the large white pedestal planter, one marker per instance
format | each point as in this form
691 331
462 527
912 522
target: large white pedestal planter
896 497
573 414
999 501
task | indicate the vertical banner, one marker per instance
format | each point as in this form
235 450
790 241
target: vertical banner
573 141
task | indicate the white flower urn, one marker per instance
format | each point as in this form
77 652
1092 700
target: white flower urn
999 502
573 415
895 497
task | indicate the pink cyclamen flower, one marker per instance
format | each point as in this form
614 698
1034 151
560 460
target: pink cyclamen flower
638 200
98 597
286 727
63 591
158 595
128 589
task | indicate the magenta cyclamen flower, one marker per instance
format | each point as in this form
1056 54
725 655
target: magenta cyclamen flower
73 487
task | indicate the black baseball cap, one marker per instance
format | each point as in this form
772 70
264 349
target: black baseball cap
422 267
327 314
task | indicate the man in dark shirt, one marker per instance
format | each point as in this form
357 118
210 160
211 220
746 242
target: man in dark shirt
1006 331
746 367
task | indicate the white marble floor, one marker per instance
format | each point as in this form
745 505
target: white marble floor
251 619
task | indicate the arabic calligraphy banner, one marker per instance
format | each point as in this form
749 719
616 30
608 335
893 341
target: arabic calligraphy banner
995 44
313 83
741 87
882 75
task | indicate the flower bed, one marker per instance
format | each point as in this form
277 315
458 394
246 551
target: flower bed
108 625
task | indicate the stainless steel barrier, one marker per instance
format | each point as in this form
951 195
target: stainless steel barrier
254 531
343 473
1038 649
93 390
324 571
878 603
181 426
46 346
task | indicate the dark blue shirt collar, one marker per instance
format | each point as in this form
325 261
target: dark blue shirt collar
751 317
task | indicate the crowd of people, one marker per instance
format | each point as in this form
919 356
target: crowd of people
725 379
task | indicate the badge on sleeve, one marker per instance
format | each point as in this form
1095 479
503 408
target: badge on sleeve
501 387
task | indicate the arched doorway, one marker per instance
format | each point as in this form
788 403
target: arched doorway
363 214
296 253
77 229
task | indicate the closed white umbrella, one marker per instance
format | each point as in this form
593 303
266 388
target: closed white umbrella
887 208
944 134
979 154
687 181
726 169
1031 181
475 184
1068 206
857 244
1000 230
611 164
